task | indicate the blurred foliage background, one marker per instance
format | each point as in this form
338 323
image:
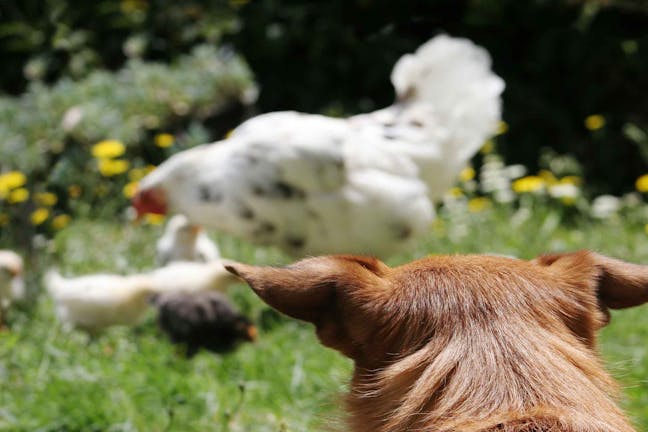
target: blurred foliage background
76 73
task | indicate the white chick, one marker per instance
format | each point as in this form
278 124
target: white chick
12 285
185 276
94 302
183 241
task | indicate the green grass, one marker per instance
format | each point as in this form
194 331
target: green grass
133 380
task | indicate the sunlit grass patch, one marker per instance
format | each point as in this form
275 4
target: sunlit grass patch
132 379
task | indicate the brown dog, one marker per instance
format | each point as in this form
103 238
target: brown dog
464 343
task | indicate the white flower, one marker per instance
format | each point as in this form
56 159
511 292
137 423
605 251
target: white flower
631 199
564 190
605 206
515 171
504 196
71 118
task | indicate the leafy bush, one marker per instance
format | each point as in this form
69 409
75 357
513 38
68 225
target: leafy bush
143 113
47 40
124 105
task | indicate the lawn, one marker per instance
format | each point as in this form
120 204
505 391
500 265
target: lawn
131 379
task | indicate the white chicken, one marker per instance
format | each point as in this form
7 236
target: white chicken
312 184
183 241
94 302
185 276
12 285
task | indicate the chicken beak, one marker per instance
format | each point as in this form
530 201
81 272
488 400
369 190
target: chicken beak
252 333
13 272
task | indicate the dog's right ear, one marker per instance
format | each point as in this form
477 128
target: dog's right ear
291 291
336 293
308 289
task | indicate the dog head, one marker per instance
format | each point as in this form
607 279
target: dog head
474 343
368 310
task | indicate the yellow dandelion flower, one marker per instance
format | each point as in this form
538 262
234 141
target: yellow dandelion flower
130 189
528 184
476 205
488 147
568 201
502 128
467 174
108 149
573 180
4 219
594 122
112 167
74 191
154 219
18 195
136 174
548 177
456 192
164 140
12 180
61 221
642 183
39 216
46 199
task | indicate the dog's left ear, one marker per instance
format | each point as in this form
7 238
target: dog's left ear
619 284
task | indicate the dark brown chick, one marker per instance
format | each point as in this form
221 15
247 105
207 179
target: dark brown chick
202 320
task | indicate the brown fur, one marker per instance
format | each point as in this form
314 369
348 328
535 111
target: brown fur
465 343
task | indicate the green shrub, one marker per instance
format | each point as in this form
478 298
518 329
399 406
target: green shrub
148 111
51 39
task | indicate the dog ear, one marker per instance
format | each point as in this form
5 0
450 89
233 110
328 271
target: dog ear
619 284
336 293
292 291
307 289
